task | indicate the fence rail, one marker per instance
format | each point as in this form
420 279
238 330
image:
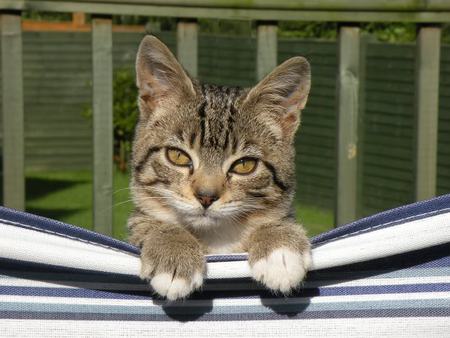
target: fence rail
426 13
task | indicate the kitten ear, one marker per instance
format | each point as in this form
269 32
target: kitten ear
160 78
283 94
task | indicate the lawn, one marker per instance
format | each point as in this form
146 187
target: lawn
67 196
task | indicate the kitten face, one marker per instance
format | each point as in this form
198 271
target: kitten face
206 156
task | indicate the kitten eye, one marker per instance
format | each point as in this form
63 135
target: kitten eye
244 166
178 157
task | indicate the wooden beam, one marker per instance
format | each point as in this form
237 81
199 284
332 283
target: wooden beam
12 107
348 81
187 45
328 5
436 12
266 48
426 110
102 76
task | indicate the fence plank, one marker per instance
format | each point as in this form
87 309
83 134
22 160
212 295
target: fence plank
266 48
13 116
102 79
426 109
348 81
187 45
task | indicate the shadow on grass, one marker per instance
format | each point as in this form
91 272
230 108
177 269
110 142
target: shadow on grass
56 213
40 187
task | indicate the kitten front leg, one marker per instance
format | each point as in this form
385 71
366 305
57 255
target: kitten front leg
171 258
279 255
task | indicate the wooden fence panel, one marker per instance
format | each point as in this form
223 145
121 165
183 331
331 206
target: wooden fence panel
226 60
389 112
316 138
57 77
443 158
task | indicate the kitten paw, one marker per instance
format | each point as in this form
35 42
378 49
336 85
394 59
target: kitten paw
175 287
282 270
174 274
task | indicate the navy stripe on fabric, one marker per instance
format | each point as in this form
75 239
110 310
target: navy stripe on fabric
376 313
205 294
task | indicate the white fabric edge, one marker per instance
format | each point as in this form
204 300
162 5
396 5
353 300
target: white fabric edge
28 245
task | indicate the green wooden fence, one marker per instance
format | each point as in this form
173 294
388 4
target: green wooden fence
356 144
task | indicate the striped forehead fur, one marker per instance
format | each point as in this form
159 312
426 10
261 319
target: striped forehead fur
217 112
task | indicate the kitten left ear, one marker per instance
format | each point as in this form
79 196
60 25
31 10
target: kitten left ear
283 94
160 78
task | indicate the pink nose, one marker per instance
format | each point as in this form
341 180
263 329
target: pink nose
206 198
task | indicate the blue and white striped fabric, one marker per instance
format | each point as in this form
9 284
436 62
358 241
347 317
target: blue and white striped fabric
385 275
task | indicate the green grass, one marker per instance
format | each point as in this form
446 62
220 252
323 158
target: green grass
67 196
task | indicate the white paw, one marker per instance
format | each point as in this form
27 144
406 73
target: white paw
282 270
175 288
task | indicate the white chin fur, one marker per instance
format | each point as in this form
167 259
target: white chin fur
175 288
202 222
282 270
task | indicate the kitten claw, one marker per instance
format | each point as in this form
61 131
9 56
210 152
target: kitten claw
282 270
175 288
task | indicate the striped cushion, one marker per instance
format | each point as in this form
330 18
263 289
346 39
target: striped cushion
388 274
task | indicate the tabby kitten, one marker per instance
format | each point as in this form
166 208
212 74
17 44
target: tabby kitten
213 172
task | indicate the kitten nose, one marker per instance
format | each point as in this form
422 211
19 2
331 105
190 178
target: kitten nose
206 198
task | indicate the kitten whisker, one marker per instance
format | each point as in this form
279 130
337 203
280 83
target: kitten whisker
118 190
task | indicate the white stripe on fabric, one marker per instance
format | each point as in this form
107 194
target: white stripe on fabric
38 247
384 242
342 327
242 286
414 296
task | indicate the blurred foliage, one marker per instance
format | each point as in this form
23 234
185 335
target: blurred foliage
46 16
229 27
391 32
386 32
291 29
125 112
446 33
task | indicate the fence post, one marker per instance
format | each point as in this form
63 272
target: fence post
428 51
364 42
12 106
348 82
187 45
102 82
266 48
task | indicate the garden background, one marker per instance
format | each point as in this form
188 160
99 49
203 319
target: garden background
58 130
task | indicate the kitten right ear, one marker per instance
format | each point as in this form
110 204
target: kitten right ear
160 78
